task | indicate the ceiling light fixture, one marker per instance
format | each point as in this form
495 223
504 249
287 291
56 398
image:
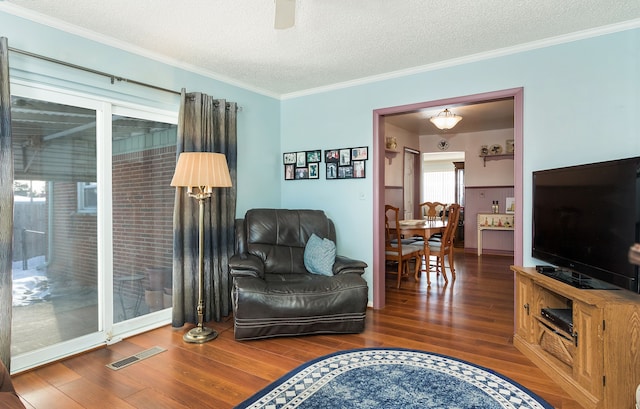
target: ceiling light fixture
445 119
285 14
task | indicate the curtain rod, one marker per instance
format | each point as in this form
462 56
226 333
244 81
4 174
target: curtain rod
79 67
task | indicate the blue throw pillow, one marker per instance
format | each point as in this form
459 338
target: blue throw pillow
319 255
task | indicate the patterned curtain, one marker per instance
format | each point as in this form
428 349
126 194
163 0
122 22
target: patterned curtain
204 125
6 207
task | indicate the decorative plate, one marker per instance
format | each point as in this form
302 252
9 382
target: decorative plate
509 146
443 144
496 149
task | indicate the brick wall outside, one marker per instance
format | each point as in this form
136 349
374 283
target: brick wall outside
143 212
74 253
142 220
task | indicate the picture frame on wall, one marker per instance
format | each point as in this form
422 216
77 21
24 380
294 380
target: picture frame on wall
289 158
358 169
346 163
301 159
313 156
332 156
332 170
510 205
303 164
361 153
302 173
345 157
345 172
289 171
314 171
343 163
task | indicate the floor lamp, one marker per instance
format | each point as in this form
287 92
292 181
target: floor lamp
200 172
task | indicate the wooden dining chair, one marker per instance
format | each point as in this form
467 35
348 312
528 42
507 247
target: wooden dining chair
444 247
395 250
434 211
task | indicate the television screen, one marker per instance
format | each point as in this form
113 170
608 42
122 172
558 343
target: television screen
586 217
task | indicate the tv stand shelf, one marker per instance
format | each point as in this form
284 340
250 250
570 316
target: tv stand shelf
578 280
598 361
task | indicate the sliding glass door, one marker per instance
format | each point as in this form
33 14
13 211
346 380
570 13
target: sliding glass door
143 161
55 276
92 222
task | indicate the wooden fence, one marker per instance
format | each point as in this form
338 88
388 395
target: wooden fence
29 231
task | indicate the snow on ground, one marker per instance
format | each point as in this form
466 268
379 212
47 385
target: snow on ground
30 285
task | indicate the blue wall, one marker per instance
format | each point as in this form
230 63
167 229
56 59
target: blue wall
571 91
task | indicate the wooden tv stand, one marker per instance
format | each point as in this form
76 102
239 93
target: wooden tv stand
598 363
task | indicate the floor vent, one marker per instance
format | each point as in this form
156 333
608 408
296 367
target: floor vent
135 358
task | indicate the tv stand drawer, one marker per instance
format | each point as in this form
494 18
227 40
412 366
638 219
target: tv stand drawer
558 345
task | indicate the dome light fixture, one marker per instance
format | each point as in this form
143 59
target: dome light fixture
445 119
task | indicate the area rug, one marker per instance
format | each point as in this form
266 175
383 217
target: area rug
392 378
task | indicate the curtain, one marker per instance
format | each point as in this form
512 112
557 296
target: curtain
204 125
6 207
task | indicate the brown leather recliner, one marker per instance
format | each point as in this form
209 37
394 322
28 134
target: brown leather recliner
273 293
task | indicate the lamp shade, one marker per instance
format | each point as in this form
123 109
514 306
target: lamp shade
445 119
201 169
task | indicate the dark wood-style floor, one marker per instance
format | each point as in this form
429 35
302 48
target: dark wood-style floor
470 319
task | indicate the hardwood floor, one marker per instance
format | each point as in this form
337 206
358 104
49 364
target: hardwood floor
470 319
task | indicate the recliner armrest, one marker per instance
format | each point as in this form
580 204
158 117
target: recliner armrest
348 265
245 264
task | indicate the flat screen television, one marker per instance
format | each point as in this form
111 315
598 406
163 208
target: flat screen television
585 219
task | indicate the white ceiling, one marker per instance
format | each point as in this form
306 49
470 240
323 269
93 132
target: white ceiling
333 41
475 117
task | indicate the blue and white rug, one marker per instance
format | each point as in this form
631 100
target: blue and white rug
392 378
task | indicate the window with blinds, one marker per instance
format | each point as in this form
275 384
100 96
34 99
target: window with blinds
438 181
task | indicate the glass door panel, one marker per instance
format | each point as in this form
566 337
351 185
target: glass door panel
143 162
55 274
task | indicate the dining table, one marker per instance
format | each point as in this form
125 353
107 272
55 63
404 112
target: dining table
424 229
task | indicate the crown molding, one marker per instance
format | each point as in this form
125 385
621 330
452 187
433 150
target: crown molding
534 45
112 42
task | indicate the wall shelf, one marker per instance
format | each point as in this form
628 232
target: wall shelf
501 156
390 154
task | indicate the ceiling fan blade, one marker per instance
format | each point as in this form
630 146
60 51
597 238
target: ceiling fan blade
285 14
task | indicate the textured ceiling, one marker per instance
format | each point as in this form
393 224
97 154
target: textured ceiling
332 42
478 117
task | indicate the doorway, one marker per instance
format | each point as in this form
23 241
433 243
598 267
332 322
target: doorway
411 190
378 174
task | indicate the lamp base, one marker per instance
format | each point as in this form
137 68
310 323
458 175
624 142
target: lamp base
199 335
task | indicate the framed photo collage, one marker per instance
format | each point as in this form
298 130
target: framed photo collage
343 163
